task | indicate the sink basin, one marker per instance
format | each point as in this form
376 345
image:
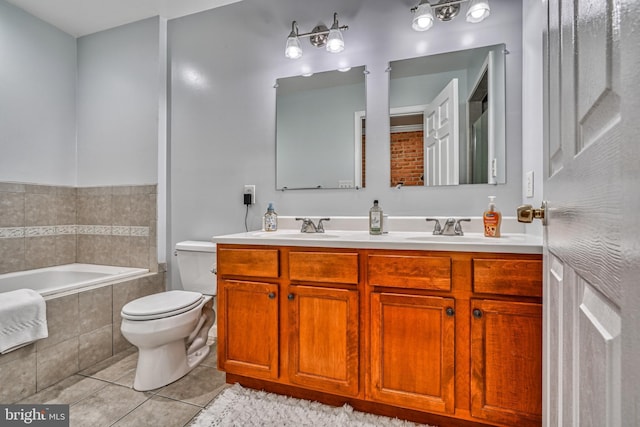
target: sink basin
467 238
294 235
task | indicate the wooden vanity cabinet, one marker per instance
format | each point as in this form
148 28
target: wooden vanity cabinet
412 351
250 339
457 334
323 313
506 342
303 329
412 335
447 338
248 312
506 362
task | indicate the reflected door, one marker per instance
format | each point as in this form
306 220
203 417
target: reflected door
441 135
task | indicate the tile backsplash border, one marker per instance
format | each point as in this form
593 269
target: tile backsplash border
43 226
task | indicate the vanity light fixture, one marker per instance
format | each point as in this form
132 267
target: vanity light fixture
445 10
320 36
478 11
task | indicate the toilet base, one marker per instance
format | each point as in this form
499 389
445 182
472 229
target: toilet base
163 365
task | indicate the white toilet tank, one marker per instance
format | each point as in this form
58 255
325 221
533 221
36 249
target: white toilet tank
197 266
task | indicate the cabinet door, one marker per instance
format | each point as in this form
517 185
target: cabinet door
506 362
412 351
248 329
323 338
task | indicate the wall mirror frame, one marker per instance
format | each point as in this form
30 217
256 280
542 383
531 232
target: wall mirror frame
447 118
319 132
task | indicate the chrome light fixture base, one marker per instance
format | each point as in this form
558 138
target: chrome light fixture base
447 12
319 35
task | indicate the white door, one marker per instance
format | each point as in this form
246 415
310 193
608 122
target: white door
592 186
441 134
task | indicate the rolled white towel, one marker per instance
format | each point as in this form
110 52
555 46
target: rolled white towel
23 319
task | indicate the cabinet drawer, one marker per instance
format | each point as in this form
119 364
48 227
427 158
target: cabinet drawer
407 271
508 277
248 262
324 267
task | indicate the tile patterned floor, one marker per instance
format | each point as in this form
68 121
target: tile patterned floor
103 395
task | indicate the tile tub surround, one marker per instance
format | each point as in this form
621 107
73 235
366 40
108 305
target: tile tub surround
43 226
84 329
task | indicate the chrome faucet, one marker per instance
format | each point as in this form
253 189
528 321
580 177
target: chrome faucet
451 227
309 227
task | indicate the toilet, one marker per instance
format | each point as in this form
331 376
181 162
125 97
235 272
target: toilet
171 328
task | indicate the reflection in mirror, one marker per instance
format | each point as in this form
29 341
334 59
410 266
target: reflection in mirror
447 118
319 130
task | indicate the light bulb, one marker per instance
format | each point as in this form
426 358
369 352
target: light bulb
335 42
422 17
293 49
478 11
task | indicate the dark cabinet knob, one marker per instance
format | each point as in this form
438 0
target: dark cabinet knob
290 297
477 313
272 295
450 311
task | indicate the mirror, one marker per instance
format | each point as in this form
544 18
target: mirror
319 139
447 118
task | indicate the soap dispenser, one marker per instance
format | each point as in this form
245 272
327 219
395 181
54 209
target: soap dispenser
270 219
492 219
375 219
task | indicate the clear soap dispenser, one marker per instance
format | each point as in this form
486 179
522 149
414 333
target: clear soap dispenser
270 219
375 219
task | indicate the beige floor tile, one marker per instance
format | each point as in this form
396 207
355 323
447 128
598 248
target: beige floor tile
106 406
127 380
114 367
159 411
68 391
212 358
198 387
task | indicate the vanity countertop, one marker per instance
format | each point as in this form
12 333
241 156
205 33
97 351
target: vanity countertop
471 242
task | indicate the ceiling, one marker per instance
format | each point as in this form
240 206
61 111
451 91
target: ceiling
82 17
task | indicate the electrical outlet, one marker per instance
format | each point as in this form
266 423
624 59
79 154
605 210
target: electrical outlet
530 184
494 168
251 189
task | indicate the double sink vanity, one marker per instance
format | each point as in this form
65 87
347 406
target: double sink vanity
445 330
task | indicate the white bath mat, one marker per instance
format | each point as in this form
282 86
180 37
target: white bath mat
238 406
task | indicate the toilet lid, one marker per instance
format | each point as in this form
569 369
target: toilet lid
163 304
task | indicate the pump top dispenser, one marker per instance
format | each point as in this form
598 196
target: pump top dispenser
492 219
270 219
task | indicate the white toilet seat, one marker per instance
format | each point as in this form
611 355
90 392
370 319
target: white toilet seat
161 305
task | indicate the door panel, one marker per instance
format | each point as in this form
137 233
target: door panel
441 137
598 358
589 168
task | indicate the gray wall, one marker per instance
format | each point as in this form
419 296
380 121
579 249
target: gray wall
533 15
224 63
117 119
37 100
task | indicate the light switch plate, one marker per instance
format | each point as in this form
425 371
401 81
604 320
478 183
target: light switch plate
530 184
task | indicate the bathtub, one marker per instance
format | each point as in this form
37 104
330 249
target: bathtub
64 279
